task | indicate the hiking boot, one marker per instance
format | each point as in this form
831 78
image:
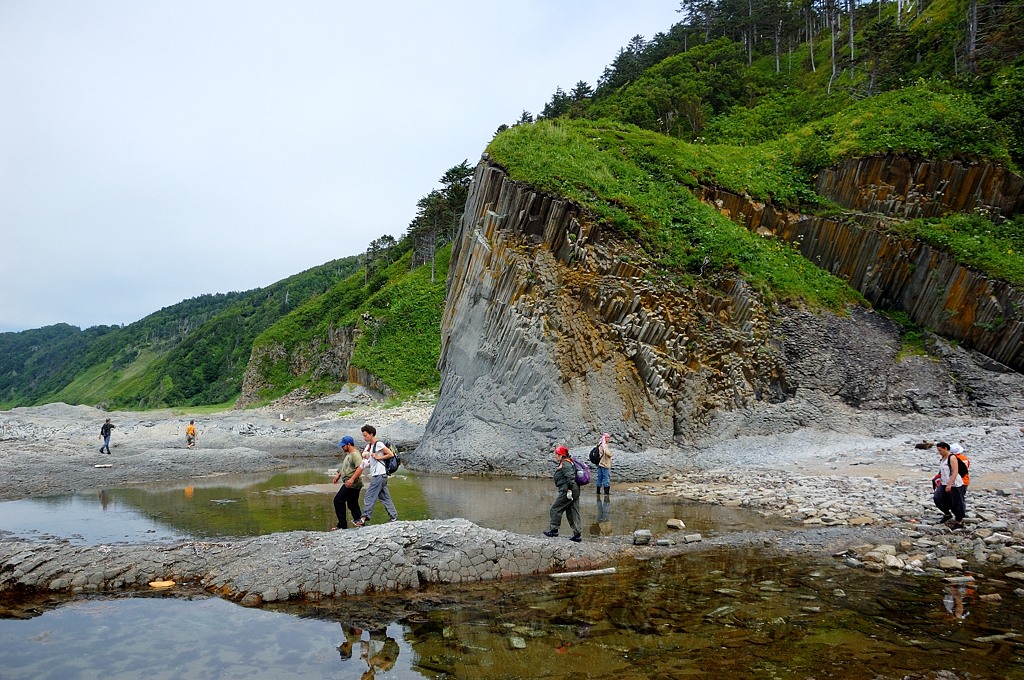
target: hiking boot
943 519
551 533
576 538
955 526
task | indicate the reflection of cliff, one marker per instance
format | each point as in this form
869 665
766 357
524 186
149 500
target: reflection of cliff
555 330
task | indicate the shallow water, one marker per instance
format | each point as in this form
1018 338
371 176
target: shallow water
301 499
733 614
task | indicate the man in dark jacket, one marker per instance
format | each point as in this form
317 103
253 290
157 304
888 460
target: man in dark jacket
568 500
105 436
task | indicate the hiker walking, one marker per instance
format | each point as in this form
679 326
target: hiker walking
348 494
190 434
604 465
105 431
568 500
949 492
373 455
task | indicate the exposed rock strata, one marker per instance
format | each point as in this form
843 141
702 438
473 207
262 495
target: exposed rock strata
910 188
320 357
555 331
898 273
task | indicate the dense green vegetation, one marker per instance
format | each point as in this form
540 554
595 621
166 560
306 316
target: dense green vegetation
637 182
396 318
718 100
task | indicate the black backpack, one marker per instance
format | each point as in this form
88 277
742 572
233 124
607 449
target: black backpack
391 464
595 455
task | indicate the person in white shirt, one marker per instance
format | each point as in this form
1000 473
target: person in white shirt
373 456
949 492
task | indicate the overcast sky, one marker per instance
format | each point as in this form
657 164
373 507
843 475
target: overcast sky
152 151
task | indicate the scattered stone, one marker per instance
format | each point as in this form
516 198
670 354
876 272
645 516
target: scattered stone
674 523
642 537
516 642
950 563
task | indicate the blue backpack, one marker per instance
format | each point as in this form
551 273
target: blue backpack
582 472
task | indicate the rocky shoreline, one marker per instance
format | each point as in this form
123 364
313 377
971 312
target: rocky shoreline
862 498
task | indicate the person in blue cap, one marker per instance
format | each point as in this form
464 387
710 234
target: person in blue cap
348 494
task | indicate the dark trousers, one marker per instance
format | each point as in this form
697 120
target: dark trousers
952 502
571 509
349 497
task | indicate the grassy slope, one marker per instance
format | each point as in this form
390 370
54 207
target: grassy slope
398 314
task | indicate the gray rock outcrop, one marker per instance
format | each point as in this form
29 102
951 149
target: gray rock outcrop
556 330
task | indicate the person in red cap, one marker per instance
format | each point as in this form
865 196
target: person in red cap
568 500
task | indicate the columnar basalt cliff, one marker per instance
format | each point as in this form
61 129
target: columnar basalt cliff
555 330
905 187
893 272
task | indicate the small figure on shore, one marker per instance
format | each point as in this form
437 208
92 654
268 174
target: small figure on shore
949 495
568 500
373 456
604 466
190 434
105 431
348 494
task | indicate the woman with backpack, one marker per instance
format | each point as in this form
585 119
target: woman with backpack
949 492
568 500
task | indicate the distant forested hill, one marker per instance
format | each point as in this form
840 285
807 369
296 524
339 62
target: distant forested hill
193 352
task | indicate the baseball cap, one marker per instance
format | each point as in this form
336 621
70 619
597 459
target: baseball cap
561 451
347 440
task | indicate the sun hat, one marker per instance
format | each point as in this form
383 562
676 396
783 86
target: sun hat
347 440
956 448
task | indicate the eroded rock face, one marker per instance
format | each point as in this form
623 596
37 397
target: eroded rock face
554 332
320 357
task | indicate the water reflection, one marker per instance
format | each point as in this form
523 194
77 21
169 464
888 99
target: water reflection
732 613
301 499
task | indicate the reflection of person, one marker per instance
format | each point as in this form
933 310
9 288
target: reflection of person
104 499
954 601
105 436
348 494
602 525
380 651
568 500
604 466
949 495
352 636
190 434
373 454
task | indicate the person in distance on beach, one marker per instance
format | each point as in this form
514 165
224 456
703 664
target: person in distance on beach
190 434
604 466
105 431
568 500
348 494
